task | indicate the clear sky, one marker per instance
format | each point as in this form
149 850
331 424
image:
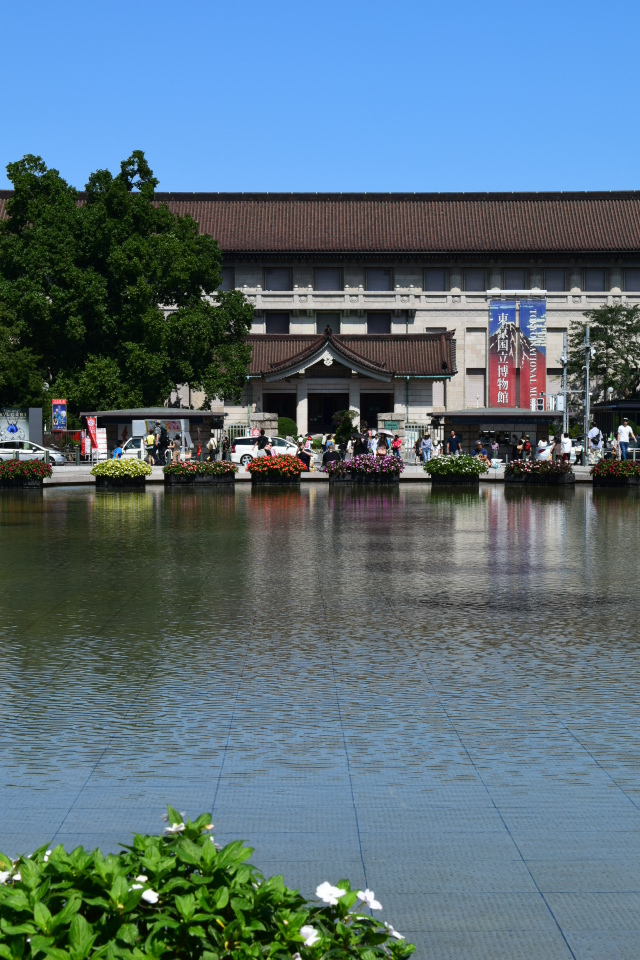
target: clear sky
357 95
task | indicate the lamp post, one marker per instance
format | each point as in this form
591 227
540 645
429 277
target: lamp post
563 359
588 353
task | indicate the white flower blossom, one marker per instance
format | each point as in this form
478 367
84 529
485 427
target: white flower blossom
17 876
4 875
296 956
393 933
135 886
175 828
46 855
329 894
310 935
141 878
150 896
369 897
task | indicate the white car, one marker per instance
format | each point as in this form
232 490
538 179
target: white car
242 447
135 449
543 453
29 451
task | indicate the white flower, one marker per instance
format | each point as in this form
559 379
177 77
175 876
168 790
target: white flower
141 878
150 896
17 876
393 933
46 855
310 935
296 956
329 894
369 897
135 886
175 828
4 876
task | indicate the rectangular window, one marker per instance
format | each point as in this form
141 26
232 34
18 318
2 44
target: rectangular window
594 279
555 280
277 278
379 279
228 278
331 320
277 323
328 278
435 278
515 278
378 323
632 279
475 387
474 279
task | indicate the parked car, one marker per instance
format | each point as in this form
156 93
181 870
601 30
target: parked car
29 451
135 449
241 448
543 453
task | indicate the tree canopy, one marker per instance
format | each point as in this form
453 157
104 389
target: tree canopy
614 333
104 296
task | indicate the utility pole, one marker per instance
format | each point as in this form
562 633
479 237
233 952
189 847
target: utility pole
587 395
565 411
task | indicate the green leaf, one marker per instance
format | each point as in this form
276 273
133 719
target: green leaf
56 953
9 928
5 952
174 816
30 873
189 852
70 908
128 933
42 916
39 944
186 906
81 937
221 898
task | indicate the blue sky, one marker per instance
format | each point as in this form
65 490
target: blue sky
332 96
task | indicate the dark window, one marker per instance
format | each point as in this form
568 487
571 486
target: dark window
632 279
594 279
379 279
555 280
277 278
514 278
331 320
378 323
284 404
435 278
474 279
228 278
277 323
328 278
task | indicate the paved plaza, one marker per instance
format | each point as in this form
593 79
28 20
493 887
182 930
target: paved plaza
433 695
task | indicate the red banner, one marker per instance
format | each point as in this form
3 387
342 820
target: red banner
502 353
92 425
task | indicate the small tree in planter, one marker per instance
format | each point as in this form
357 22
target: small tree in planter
191 471
365 469
539 472
463 470
179 897
23 473
281 469
121 473
616 473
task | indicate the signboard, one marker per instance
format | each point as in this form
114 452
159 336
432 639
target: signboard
14 424
58 416
533 360
502 353
92 425
392 425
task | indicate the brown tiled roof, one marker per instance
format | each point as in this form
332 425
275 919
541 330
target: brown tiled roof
421 354
604 222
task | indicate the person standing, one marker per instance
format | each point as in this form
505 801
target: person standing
624 432
259 446
396 447
454 445
212 447
595 444
565 445
426 447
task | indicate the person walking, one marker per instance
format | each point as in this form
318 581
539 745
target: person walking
212 447
225 447
259 446
396 447
454 445
595 444
565 445
624 432
426 448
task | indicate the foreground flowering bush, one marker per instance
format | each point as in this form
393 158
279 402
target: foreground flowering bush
621 470
121 468
16 471
280 466
178 896
462 466
365 465
190 469
537 468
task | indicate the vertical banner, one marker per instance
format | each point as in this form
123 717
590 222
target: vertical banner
58 416
533 364
93 433
502 353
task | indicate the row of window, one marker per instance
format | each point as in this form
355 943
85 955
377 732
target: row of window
377 323
437 279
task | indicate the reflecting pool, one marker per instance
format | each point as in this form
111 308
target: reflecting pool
434 694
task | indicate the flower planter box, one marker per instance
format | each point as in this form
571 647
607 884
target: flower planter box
533 480
227 478
376 478
264 480
617 483
453 481
31 484
120 483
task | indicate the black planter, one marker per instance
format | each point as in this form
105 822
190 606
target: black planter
22 484
259 481
455 481
552 480
371 478
213 480
120 483
616 483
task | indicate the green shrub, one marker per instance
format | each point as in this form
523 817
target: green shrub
462 466
178 897
194 468
287 427
121 468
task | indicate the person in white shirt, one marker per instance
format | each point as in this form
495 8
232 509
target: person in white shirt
595 444
624 432
566 447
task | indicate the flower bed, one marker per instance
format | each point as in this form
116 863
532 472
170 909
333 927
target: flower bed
179 897
364 469
121 473
616 473
191 471
456 471
281 469
539 472
23 473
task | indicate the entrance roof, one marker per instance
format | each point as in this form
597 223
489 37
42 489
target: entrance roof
431 355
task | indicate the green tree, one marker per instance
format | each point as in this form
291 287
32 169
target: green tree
110 297
614 333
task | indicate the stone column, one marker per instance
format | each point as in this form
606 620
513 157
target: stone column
302 410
